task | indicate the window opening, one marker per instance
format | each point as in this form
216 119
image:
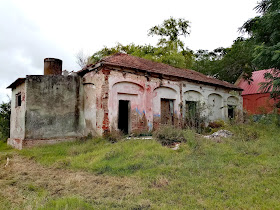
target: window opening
18 99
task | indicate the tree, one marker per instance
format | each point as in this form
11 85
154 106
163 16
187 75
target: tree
265 31
5 113
170 49
238 59
227 63
272 85
170 32
82 59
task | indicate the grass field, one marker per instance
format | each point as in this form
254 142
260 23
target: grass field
242 172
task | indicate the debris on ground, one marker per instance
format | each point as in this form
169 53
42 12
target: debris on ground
176 146
8 160
139 137
219 134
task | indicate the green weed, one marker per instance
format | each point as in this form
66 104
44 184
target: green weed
239 172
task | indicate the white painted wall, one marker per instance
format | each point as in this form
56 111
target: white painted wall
17 130
215 106
125 90
165 92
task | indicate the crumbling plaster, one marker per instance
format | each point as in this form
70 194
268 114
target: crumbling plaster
144 94
17 126
54 108
51 110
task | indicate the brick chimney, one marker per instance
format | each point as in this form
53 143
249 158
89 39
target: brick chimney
52 66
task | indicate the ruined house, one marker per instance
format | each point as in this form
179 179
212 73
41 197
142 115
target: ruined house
120 92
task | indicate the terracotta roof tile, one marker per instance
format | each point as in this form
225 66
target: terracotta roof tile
129 61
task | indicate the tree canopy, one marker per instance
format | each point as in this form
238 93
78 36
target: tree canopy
170 49
260 50
5 112
265 31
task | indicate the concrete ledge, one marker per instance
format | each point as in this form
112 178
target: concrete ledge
27 143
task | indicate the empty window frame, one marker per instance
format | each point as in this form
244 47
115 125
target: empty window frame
18 99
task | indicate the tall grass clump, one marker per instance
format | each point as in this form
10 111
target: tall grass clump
168 135
114 136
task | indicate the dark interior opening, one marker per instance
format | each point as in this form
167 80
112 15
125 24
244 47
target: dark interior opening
191 108
231 111
18 99
167 111
192 114
123 123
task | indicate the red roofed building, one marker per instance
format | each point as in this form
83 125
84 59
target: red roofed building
120 92
255 101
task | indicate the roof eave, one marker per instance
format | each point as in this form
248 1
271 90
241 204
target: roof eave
197 81
16 83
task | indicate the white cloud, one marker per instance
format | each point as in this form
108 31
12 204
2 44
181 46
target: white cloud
32 30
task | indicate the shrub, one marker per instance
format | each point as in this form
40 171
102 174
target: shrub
194 117
168 135
267 119
5 113
113 136
246 134
217 124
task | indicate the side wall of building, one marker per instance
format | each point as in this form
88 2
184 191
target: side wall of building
17 125
54 107
259 103
95 86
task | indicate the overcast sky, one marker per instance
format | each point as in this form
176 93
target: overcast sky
31 30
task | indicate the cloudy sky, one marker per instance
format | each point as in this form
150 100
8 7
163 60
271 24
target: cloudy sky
32 30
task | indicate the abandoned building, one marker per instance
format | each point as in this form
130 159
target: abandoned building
120 92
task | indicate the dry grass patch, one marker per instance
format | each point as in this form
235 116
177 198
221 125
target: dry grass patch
23 180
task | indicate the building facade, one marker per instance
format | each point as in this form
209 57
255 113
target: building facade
120 92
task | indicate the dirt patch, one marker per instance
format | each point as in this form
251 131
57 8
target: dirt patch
23 179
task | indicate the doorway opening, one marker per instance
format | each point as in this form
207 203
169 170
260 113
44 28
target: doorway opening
231 113
167 111
192 115
124 116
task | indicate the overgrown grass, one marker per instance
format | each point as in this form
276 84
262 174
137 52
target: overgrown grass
4 146
240 172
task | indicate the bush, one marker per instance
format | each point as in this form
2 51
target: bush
267 119
217 124
5 113
246 134
168 135
114 136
